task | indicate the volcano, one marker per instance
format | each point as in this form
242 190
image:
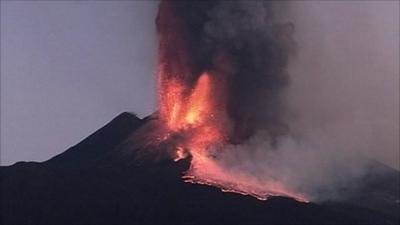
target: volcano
94 182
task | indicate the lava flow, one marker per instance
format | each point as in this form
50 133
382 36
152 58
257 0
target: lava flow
220 83
193 117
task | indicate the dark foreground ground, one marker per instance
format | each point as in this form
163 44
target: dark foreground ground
91 184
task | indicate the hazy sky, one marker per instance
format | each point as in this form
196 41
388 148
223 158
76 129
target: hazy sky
68 67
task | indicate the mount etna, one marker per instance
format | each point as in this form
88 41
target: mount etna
98 182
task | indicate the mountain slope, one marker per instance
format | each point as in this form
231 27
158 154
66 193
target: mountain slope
93 183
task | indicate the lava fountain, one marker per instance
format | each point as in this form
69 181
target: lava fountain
192 113
193 116
219 83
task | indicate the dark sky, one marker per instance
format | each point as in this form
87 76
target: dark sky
68 67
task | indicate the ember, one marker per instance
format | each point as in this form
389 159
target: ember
215 92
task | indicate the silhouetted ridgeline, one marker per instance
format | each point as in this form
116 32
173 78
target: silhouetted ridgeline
90 184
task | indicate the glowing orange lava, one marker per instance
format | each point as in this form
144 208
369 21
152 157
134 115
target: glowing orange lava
192 113
199 101
171 98
181 110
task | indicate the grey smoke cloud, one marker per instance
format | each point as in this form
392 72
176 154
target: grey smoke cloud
61 66
341 105
343 101
346 79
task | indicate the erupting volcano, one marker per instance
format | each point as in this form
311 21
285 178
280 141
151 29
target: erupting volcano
222 125
193 116
219 84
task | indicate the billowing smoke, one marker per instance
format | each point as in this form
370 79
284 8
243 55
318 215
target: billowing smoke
304 133
240 42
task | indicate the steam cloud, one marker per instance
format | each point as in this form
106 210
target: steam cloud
281 131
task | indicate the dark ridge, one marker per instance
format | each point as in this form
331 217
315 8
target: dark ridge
82 186
99 143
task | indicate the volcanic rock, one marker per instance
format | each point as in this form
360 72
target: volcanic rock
94 182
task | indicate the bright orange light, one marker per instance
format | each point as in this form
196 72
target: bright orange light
180 111
191 112
199 102
171 98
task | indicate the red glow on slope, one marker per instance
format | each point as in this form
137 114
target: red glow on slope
192 113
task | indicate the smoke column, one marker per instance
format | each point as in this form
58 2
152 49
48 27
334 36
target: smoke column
239 42
307 134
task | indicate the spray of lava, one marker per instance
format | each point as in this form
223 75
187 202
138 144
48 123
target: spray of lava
192 113
193 116
213 86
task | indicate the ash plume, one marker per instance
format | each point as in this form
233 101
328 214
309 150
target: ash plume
298 134
240 42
